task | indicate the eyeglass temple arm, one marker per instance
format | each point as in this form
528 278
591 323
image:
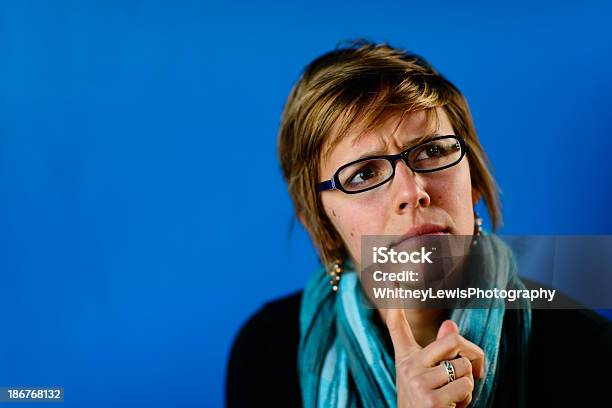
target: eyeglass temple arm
326 185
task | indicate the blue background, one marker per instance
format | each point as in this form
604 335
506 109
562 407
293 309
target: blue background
143 216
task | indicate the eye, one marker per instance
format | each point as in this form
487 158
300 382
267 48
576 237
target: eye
432 150
436 150
365 174
362 176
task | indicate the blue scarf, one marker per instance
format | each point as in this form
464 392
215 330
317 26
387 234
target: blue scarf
342 358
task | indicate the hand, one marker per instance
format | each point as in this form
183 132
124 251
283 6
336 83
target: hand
421 381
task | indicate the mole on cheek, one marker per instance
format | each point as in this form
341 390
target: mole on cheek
352 235
334 213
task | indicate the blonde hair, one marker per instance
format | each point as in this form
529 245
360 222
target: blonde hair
363 84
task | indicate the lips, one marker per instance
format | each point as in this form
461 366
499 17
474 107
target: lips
423 229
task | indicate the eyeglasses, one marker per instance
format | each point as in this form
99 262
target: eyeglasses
361 175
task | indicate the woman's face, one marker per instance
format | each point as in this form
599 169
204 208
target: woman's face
443 198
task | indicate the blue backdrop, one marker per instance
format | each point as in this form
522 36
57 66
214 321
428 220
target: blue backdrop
143 216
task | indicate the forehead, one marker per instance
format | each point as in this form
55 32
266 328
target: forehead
394 130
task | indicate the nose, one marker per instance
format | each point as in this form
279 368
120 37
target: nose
407 192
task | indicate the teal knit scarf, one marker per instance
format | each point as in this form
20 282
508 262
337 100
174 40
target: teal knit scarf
342 359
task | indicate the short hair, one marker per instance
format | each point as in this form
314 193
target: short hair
363 84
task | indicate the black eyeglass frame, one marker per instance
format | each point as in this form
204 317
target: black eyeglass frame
334 182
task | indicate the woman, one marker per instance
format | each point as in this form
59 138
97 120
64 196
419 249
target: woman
321 347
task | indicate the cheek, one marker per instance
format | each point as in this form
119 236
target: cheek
342 212
454 195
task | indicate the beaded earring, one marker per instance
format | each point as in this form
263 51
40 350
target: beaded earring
335 273
477 224
477 228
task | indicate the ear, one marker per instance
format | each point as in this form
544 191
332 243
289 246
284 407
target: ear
300 217
476 195
302 220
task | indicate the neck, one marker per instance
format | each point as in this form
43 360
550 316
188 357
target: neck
424 323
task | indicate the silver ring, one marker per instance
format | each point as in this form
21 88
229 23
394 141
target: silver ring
450 371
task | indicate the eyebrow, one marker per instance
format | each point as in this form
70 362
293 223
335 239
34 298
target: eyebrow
381 152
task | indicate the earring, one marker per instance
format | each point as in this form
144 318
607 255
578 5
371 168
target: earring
477 224
477 228
335 272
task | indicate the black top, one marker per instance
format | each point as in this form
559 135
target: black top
569 361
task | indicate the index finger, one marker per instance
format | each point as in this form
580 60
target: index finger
402 337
